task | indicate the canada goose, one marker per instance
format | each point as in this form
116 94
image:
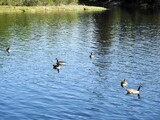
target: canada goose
57 67
8 50
133 91
91 55
60 62
124 83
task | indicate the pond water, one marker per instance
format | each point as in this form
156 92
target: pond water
125 44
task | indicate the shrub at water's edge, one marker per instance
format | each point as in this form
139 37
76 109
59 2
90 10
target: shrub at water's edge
33 9
37 2
104 3
43 6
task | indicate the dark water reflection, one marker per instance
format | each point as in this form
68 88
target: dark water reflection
125 44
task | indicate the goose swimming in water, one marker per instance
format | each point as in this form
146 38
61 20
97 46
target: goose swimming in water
124 83
91 55
60 62
133 91
8 50
57 67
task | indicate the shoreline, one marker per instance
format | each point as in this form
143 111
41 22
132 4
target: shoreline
37 9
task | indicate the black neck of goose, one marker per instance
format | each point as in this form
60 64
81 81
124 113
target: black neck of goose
139 88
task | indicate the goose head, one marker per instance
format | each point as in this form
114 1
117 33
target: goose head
124 83
91 55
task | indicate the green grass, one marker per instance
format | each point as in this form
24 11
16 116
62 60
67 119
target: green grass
35 9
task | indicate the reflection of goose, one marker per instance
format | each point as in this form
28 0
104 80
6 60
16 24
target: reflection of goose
124 83
60 62
139 97
91 55
8 50
133 91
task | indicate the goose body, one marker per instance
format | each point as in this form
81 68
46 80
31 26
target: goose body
133 91
60 62
8 50
56 66
91 55
124 83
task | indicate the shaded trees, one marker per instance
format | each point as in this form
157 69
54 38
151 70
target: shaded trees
133 3
141 3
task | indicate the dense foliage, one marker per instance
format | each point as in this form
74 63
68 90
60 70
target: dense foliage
144 3
134 3
37 2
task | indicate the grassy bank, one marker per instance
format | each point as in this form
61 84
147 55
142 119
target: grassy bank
35 9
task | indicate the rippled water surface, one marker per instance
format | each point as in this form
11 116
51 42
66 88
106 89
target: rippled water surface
126 45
